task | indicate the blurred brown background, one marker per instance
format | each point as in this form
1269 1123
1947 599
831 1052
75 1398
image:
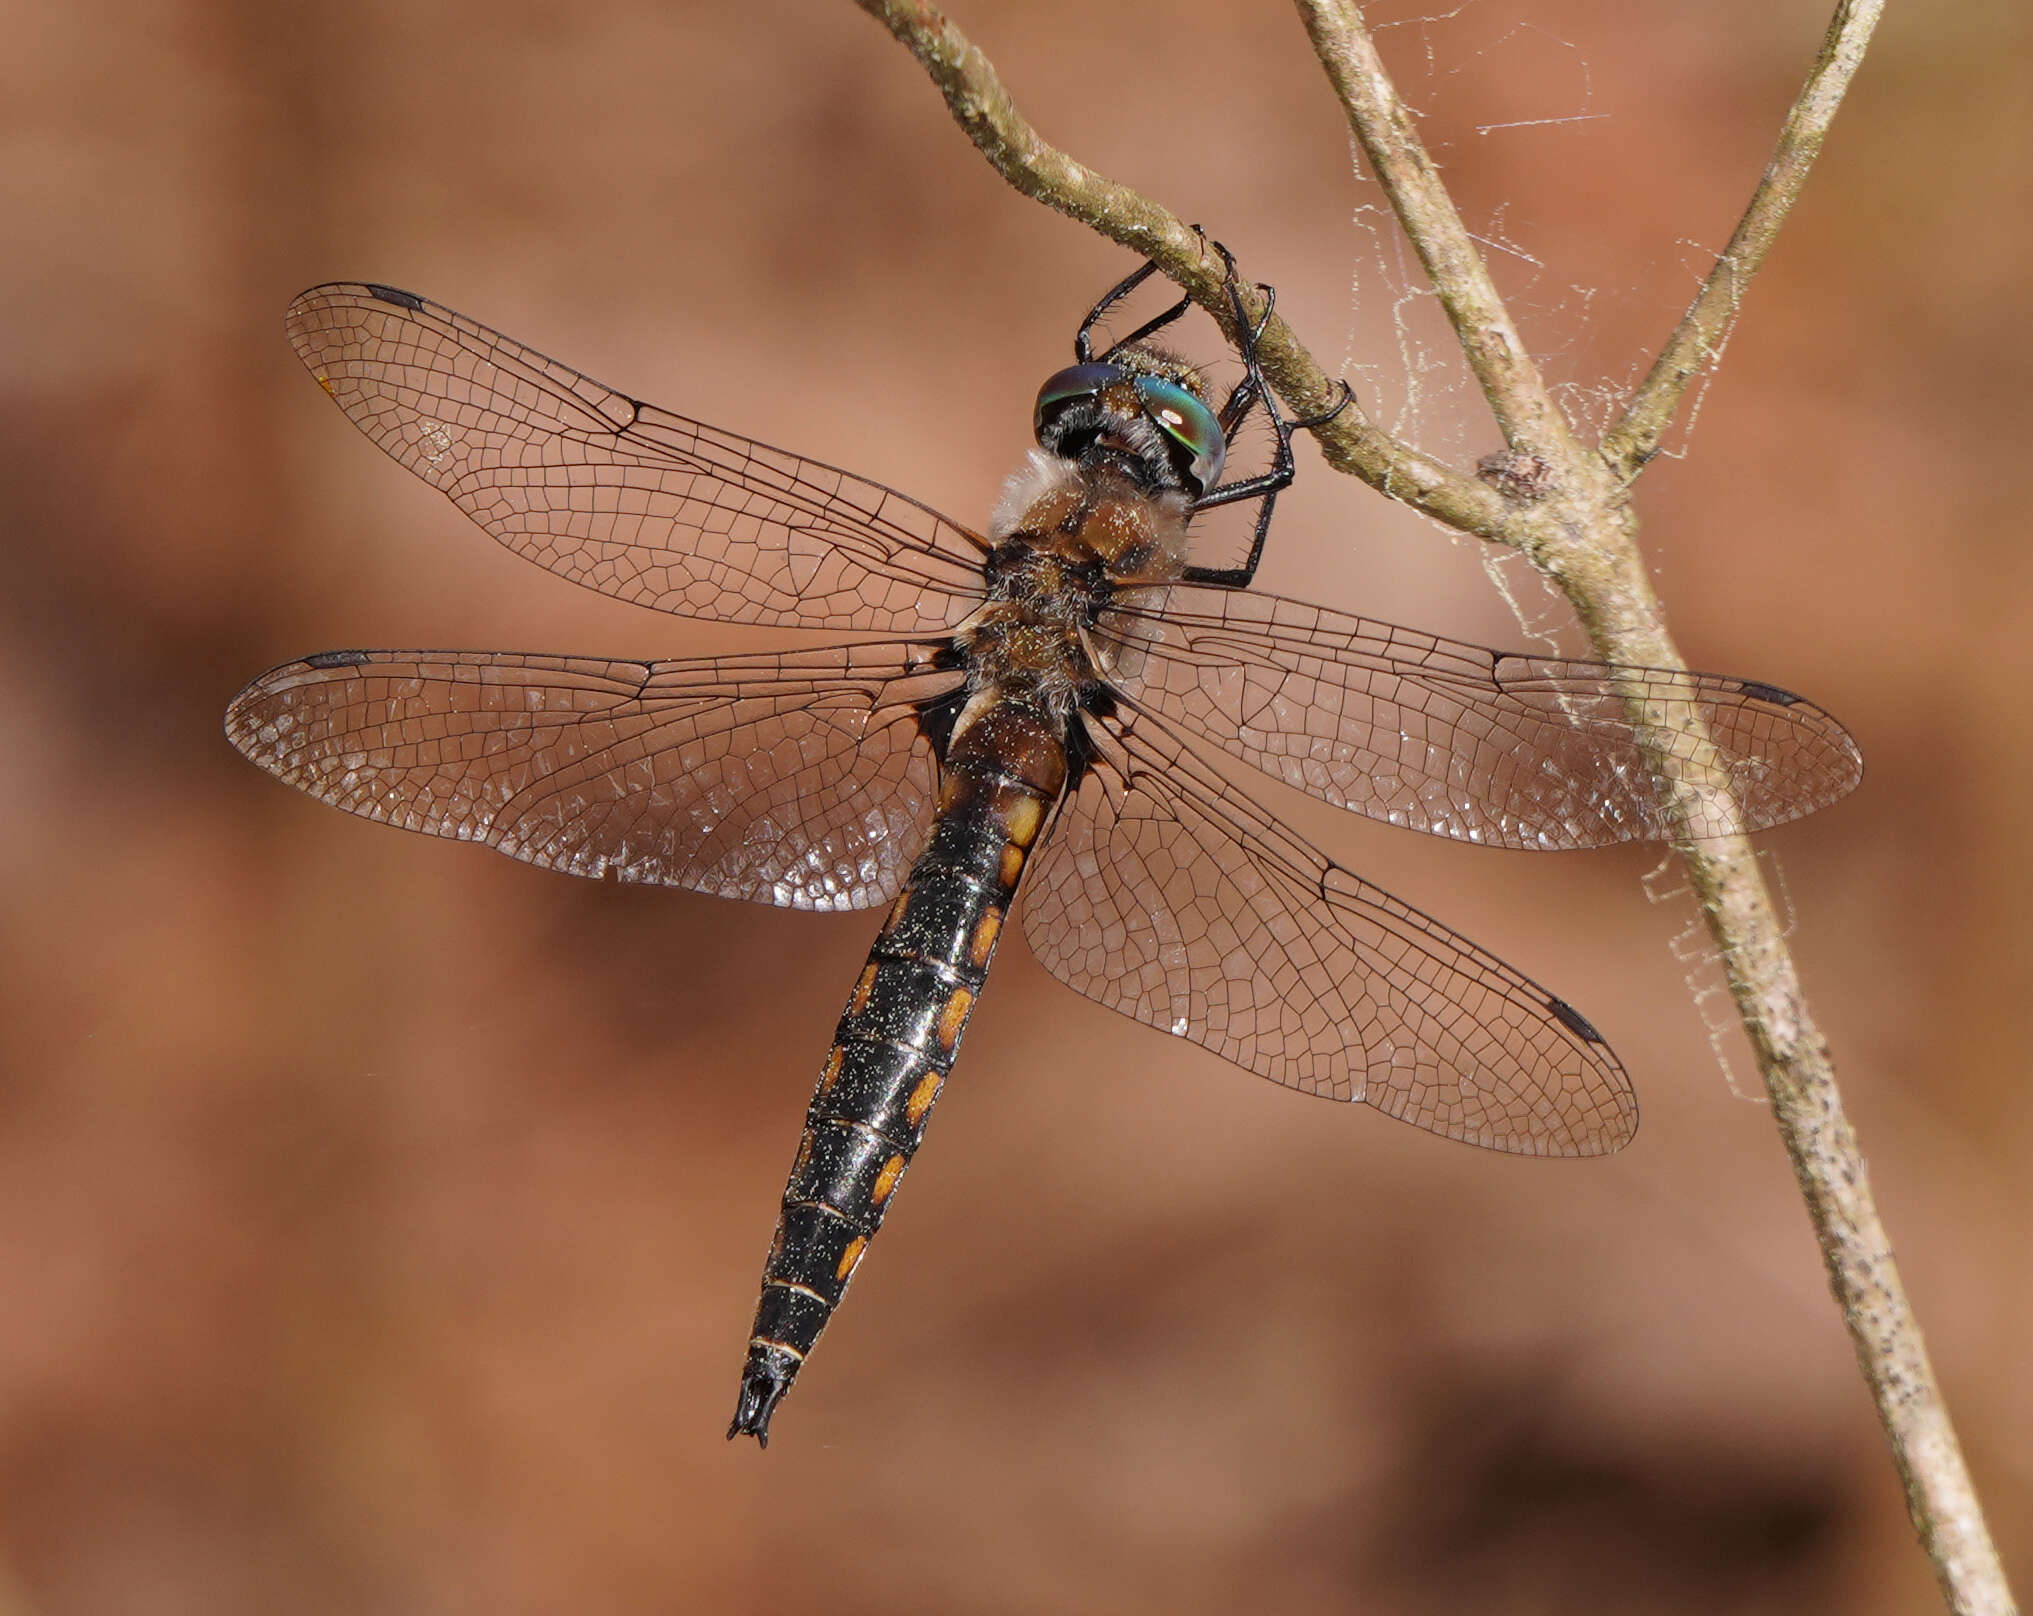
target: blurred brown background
380 1219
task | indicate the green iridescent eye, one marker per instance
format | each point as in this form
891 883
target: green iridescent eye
1190 424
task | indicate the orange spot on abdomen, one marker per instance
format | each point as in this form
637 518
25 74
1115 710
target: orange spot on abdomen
922 1097
953 1019
981 946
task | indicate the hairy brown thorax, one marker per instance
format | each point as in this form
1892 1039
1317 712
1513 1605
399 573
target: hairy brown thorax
1067 538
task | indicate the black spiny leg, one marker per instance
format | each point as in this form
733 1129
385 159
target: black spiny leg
1083 346
1156 322
1249 392
1244 395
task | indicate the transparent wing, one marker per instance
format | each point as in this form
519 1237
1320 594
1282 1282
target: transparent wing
621 496
1458 740
798 779
1167 895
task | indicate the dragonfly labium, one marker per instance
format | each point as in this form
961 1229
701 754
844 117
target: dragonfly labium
1031 723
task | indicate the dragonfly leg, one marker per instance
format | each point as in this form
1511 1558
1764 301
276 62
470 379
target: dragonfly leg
1265 487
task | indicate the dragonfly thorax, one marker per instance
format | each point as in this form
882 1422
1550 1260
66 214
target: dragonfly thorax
1100 515
1030 638
1066 537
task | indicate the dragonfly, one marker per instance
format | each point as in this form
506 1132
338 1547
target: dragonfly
1033 713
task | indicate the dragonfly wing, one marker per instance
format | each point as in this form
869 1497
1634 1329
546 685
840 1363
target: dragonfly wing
1458 740
1167 895
799 779
621 496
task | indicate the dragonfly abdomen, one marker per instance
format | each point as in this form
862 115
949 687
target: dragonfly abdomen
900 1033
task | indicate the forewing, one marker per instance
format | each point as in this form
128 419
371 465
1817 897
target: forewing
1165 894
1458 740
798 779
624 497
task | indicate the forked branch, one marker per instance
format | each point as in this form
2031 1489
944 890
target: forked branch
1575 523
1696 344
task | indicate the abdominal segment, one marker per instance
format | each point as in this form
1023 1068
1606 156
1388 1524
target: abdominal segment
899 1035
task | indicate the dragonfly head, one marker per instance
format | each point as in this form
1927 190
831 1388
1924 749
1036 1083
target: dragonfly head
1142 404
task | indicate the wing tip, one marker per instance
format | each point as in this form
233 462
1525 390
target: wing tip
378 291
322 320
247 718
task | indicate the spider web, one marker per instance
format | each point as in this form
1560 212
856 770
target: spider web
1666 886
1494 92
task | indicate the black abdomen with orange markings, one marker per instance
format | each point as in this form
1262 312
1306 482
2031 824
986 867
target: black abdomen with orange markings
1003 771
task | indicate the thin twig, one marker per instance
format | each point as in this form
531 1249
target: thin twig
1697 342
1579 528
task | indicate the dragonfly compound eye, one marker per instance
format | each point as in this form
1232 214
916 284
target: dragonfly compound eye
1075 384
1190 426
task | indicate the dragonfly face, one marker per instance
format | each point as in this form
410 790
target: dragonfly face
1146 407
1031 722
